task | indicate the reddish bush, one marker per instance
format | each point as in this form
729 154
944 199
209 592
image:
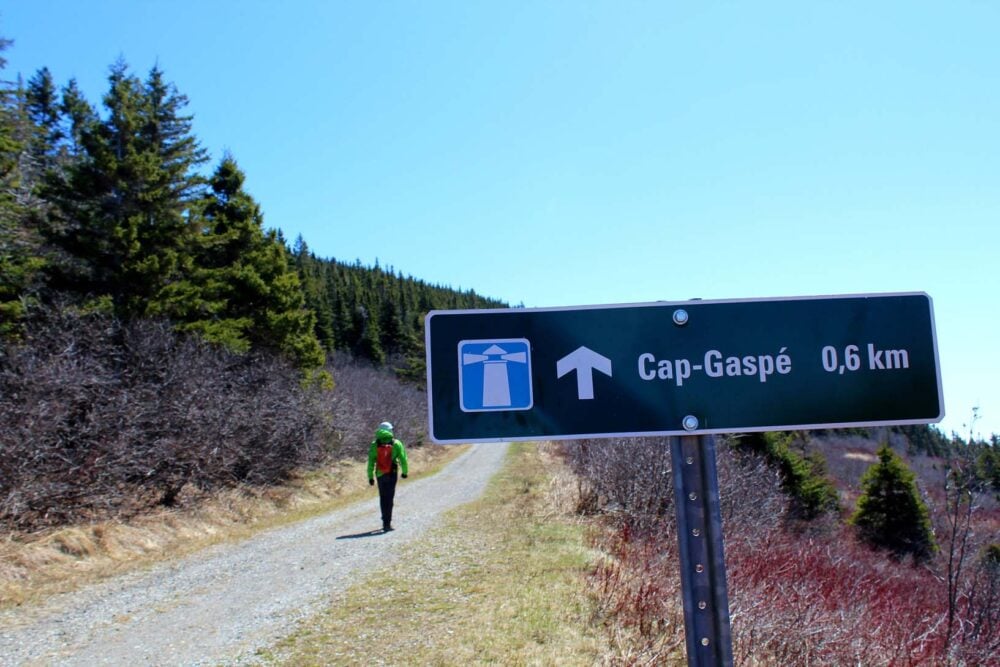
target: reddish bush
830 601
798 595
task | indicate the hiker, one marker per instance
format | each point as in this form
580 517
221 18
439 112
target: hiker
386 459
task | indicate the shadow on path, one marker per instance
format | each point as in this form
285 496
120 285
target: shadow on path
370 533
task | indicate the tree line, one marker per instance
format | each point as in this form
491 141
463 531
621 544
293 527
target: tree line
109 209
374 313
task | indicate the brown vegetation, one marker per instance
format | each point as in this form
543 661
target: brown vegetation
104 419
366 396
800 593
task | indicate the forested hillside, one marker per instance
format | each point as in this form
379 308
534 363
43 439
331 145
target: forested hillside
374 313
156 338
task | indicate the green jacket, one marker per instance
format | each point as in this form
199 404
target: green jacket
398 455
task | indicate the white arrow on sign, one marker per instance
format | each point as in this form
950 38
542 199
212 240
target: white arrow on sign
584 361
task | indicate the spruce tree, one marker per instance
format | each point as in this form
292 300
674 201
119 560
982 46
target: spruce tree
120 213
392 336
890 513
337 286
369 336
803 478
10 262
77 116
10 146
372 312
312 275
19 261
239 289
988 466
43 109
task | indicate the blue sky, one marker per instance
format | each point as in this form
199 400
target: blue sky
570 153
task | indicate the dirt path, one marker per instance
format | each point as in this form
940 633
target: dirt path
227 601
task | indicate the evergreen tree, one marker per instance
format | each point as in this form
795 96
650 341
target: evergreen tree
78 115
10 264
392 336
43 110
803 478
925 439
312 274
988 466
340 305
890 513
369 336
19 262
239 289
375 313
120 212
10 147
990 559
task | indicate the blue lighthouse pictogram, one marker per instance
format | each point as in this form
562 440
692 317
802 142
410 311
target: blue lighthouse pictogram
494 375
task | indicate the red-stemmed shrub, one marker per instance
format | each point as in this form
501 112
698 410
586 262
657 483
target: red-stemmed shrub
800 594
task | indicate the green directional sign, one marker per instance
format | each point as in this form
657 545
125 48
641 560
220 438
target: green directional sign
682 368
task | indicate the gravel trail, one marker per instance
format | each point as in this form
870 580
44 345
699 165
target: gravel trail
223 603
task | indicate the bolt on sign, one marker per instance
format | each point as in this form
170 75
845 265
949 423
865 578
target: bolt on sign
675 368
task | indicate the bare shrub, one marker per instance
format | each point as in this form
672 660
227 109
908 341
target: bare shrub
979 629
364 397
629 476
966 524
107 419
752 505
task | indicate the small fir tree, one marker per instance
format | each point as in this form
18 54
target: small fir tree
988 467
803 478
890 513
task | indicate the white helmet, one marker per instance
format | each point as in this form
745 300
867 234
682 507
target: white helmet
385 425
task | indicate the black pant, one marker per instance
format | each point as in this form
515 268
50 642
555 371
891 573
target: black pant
386 492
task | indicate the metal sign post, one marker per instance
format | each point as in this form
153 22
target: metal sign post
703 566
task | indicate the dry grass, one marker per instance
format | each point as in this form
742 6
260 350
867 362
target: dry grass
501 582
33 566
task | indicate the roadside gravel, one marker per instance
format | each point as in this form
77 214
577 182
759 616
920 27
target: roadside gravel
222 604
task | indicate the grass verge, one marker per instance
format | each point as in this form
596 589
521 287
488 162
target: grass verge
500 581
34 566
